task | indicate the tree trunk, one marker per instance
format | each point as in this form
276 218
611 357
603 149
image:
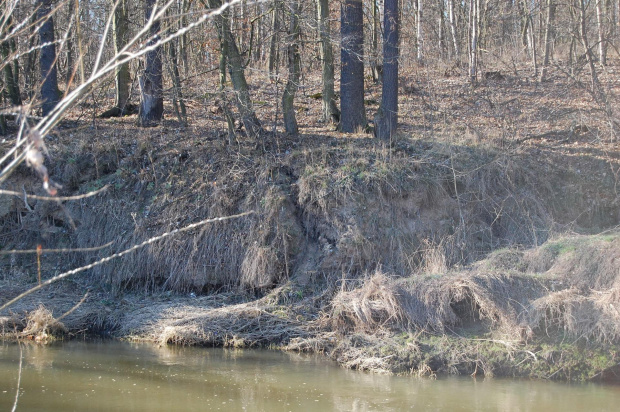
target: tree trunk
178 101
10 71
473 41
600 20
387 117
151 81
330 110
273 45
294 70
120 33
583 33
47 61
353 114
549 35
376 35
455 41
237 75
419 33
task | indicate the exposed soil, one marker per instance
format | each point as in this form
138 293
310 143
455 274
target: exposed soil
482 240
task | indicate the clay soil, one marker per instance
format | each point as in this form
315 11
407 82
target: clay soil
482 240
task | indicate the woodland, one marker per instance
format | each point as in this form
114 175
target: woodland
405 186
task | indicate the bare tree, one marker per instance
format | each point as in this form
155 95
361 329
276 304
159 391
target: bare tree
353 114
49 72
387 117
151 81
294 69
330 110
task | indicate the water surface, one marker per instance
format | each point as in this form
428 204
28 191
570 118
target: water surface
116 376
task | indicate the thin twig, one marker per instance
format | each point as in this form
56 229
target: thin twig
19 378
124 252
77 305
56 198
76 250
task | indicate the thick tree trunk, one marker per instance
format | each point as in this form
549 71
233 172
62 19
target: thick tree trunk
294 70
47 61
353 114
330 110
120 33
151 81
237 75
387 117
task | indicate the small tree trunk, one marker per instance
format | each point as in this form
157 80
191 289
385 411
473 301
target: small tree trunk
237 75
151 81
387 117
330 110
473 41
177 95
455 41
600 20
10 71
376 35
419 33
548 38
273 45
294 70
583 32
353 114
47 61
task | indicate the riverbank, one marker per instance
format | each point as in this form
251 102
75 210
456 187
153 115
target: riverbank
466 247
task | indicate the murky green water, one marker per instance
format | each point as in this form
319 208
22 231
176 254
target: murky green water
113 376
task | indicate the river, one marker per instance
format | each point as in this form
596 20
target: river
117 376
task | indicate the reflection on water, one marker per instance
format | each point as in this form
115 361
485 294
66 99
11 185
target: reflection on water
104 376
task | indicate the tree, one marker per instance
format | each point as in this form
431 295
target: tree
10 72
151 81
353 114
330 110
121 32
387 117
235 67
47 60
294 69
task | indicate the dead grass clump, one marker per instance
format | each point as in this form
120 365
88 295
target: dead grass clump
41 326
481 302
252 324
593 317
592 262
373 306
260 267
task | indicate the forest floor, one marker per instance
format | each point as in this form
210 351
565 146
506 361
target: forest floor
482 240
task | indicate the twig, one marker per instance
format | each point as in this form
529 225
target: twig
19 377
123 253
77 305
76 250
56 198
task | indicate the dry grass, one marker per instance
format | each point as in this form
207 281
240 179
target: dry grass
374 306
41 326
